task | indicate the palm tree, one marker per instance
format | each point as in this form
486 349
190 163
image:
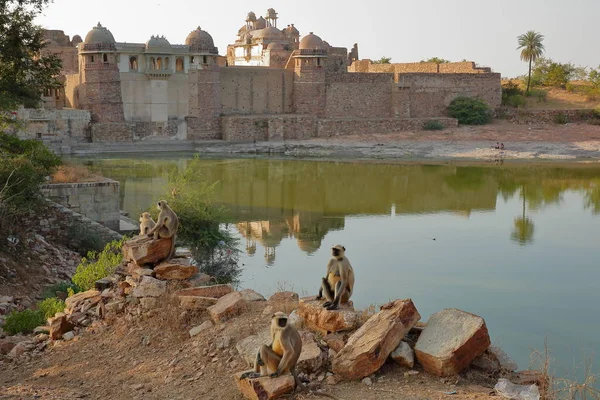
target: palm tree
524 227
531 48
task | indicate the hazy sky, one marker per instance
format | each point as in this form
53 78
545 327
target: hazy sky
479 30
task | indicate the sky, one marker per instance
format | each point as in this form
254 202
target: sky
407 31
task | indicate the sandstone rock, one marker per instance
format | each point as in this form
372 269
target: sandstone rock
296 319
104 283
227 307
197 302
215 291
321 320
149 287
248 347
265 388
335 341
69 335
175 269
6 347
17 351
451 340
284 301
144 250
138 272
201 328
200 279
59 325
251 295
41 329
268 310
77 318
404 355
312 359
115 306
368 347
75 300
148 303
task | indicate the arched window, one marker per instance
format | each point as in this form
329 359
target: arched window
204 61
318 61
105 57
159 63
133 63
152 63
166 62
179 64
92 58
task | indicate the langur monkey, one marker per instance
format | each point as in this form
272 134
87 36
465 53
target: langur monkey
146 223
338 283
166 225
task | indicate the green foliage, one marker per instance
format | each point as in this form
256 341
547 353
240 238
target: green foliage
23 321
383 60
61 287
470 111
561 119
540 94
512 95
98 265
594 77
436 60
51 306
433 126
546 72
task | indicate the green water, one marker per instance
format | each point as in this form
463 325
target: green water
515 244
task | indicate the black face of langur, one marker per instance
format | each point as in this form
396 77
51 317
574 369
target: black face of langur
338 251
281 321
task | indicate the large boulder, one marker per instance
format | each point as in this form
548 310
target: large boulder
79 298
369 347
227 307
214 291
197 302
451 340
252 295
144 250
284 301
248 347
175 269
149 287
320 320
265 388
59 325
312 358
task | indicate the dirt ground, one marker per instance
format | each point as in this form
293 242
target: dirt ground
152 357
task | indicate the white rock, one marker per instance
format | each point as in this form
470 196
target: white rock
296 319
201 328
367 381
149 287
404 355
69 335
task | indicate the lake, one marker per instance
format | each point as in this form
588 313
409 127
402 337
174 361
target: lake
514 243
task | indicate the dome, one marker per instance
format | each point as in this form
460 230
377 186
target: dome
158 44
76 40
99 34
311 42
260 23
276 47
251 17
326 45
270 33
200 40
309 246
292 31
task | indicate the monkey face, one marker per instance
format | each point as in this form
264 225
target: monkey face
280 319
338 250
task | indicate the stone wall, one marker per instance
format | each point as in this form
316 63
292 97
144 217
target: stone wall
340 127
520 116
359 95
310 92
204 120
271 127
54 125
466 67
100 91
430 94
110 132
98 201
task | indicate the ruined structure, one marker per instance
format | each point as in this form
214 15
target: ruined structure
274 84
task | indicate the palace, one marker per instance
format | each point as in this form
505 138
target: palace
273 84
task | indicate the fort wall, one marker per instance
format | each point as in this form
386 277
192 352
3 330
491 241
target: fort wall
465 67
358 95
55 125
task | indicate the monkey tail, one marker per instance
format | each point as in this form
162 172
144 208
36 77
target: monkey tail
172 251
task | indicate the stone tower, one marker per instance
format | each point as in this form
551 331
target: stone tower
309 81
100 90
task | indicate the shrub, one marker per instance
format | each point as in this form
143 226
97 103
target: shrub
23 321
516 101
561 119
61 287
73 174
540 94
98 265
433 126
469 111
51 306
84 239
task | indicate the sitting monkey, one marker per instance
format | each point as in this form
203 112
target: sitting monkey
146 223
339 279
166 225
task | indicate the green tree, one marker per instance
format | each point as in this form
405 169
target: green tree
531 47
383 60
594 77
24 71
436 60
546 72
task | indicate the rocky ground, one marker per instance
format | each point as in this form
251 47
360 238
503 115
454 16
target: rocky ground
169 332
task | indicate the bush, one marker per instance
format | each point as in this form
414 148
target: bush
51 306
561 119
470 111
433 126
98 265
516 101
61 287
539 94
23 321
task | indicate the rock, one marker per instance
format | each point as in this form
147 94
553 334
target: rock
75 300
215 291
138 272
506 363
149 287
197 302
104 283
148 303
296 319
487 362
77 318
144 250
367 381
284 301
404 355
200 279
369 347
248 347
268 310
59 325
41 329
321 320
223 342
312 359
451 340
6 347
251 295
178 269
227 307
335 341
69 335
7 299
201 328
115 306
17 351
265 388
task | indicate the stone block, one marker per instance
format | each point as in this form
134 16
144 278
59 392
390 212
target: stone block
144 250
404 355
249 346
201 328
251 295
451 341
369 347
321 320
284 301
149 287
138 272
215 291
265 388
312 359
175 269
77 299
59 325
335 341
227 307
197 302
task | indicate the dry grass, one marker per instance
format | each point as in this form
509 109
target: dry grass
557 99
74 174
